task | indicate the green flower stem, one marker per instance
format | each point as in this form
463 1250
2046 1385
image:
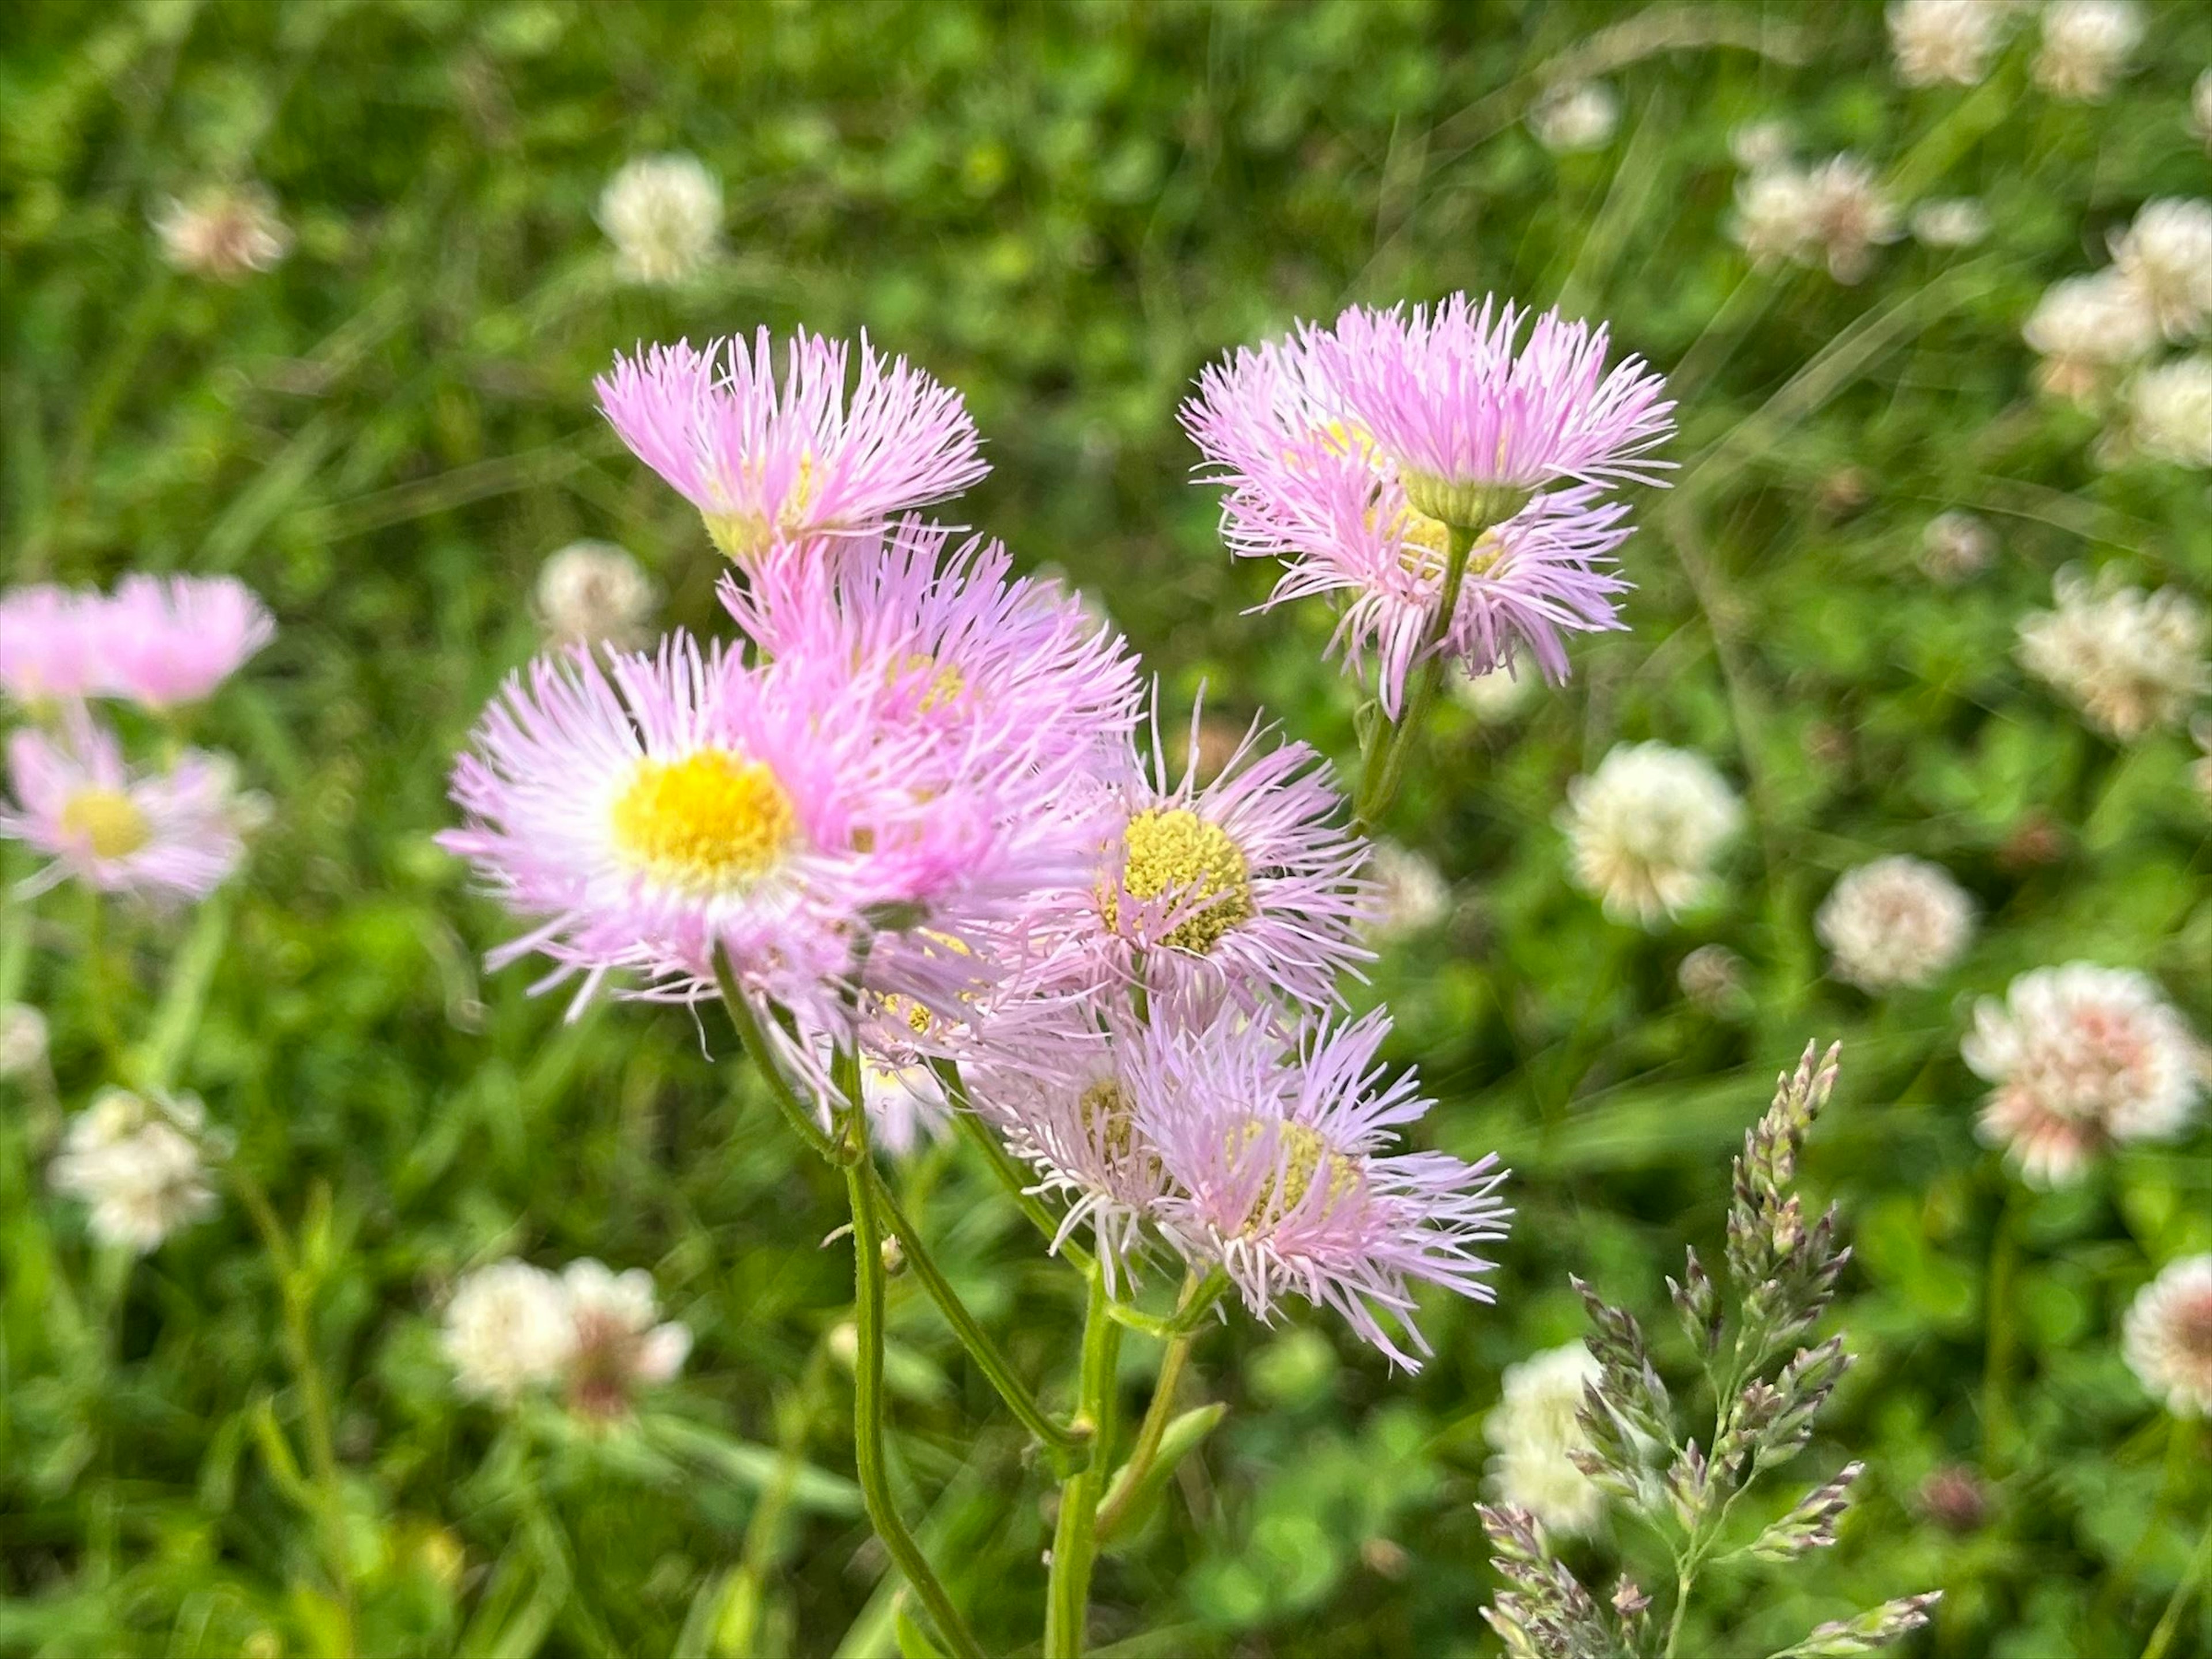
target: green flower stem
1010 1173
294 1294
1074 1540
2170 1621
763 1545
1198 1295
1997 1364
1384 766
756 1041
861 1189
1069 1447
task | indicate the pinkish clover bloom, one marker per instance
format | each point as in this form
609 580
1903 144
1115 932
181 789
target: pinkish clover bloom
768 462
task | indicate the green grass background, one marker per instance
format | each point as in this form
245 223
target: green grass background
1064 211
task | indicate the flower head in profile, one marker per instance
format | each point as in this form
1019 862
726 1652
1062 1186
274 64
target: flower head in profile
1849 214
769 460
49 651
2132 662
595 593
1939 40
2086 46
164 835
1281 1154
1248 885
1351 453
664 214
2168 1338
22 1041
174 640
1774 217
1895 922
2169 412
617 1342
1645 828
2165 256
225 231
2086 329
1536 1427
2082 1058
645 815
508 1329
1581 115
137 1163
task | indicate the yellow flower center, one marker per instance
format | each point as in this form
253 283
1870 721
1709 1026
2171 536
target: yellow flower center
1174 852
741 535
108 821
1302 1156
709 823
946 681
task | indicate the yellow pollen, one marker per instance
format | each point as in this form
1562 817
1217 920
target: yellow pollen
741 535
946 681
108 821
1174 852
1301 1155
710 822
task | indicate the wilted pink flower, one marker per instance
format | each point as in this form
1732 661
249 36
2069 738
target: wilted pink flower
166 835
645 815
1248 886
2168 1337
1350 453
618 1344
957 647
2082 1057
766 463
1277 1149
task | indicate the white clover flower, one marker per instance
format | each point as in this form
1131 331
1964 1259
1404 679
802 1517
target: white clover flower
22 1040
1947 221
1645 828
1897 922
2165 256
2084 328
664 214
2086 46
2083 1058
1850 215
594 592
1711 977
1499 694
1774 217
2131 662
1415 895
137 1163
222 232
1955 547
1582 115
1537 1428
2167 1337
1761 146
508 1329
2170 411
618 1342
1937 40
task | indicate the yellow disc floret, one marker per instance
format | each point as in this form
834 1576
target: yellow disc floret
1302 1157
1171 852
709 823
106 821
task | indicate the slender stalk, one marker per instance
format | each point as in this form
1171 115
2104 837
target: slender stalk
1069 1447
1176 1354
307 1376
1074 1541
2170 1621
861 1189
1997 1364
1010 1173
756 1041
1384 763
764 1531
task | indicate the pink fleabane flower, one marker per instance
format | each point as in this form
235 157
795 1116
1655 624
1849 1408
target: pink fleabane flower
163 836
172 639
48 653
1279 1172
647 814
955 646
767 462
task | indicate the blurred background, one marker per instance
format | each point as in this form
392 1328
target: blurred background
361 380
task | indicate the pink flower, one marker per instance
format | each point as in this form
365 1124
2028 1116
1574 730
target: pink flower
644 816
47 654
173 640
1350 453
768 464
957 648
1277 1150
165 835
2083 1058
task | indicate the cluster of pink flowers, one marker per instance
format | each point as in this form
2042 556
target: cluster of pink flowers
168 830
917 813
1355 454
